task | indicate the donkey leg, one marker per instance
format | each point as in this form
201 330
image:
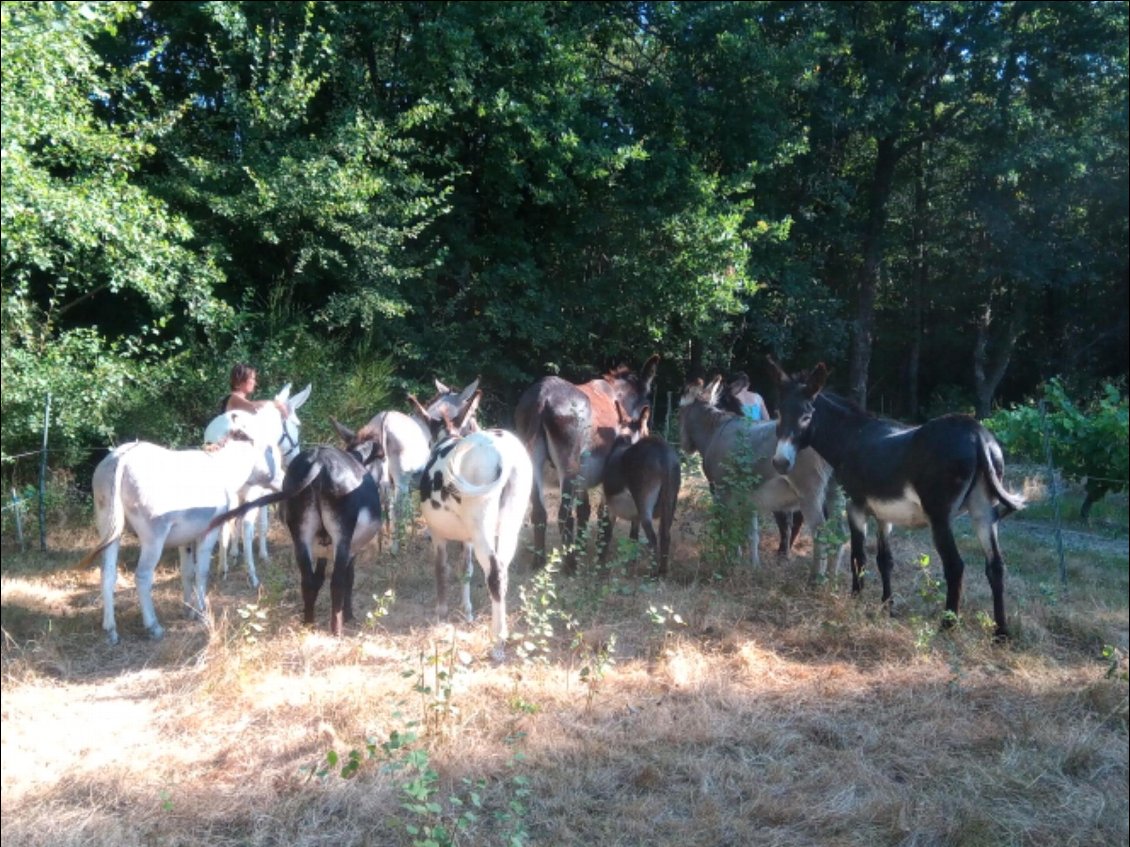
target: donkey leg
341 588
983 515
264 525
572 496
994 571
312 579
439 551
146 565
952 566
468 575
225 546
109 583
250 520
885 561
497 577
203 557
647 522
784 529
664 546
797 523
538 517
350 573
857 522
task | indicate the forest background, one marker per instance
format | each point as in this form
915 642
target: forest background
930 197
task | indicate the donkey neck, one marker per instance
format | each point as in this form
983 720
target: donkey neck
836 426
704 423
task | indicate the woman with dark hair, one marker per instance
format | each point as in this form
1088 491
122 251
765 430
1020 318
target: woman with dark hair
243 381
753 406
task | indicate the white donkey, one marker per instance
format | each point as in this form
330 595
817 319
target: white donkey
285 431
405 442
475 489
168 498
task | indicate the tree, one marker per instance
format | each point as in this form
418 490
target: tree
76 225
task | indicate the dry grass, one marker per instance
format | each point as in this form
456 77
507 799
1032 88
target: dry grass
771 712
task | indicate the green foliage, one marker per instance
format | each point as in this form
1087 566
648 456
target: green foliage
1089 440
732 512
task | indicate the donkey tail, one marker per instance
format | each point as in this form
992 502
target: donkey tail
243 508
111 518
289 490
477 453
992 463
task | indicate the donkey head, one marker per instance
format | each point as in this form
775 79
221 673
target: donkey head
454 403
364 445
450 415
798 403
630 389
631 429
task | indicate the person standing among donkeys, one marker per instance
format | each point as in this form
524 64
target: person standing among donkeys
753 406
244 379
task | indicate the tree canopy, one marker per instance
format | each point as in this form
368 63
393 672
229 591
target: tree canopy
930 197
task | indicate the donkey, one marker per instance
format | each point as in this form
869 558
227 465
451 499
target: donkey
331 498
168 498
731 443
574 427
788 523
474 489
405 442
287 430
907 475
642 475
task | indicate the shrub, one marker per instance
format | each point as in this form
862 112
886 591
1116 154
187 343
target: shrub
1089 440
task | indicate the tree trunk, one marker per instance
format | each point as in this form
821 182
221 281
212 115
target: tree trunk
921 279
868 277
990 361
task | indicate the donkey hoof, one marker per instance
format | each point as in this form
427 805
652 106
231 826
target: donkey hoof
112 637
156 632
253 581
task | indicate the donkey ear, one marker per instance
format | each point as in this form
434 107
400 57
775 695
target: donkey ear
345 433
621 416
469 390
816 379
710 393
645 415
776 370
467 412
418 407
443 389
647 373
283 394
299 398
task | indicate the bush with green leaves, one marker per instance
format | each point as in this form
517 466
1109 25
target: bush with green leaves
1088 438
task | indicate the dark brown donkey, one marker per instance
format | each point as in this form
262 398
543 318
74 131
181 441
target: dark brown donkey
641 485
575 426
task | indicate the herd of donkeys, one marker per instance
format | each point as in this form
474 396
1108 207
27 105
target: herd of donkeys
475 484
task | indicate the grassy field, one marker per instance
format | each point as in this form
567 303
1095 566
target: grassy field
720 707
